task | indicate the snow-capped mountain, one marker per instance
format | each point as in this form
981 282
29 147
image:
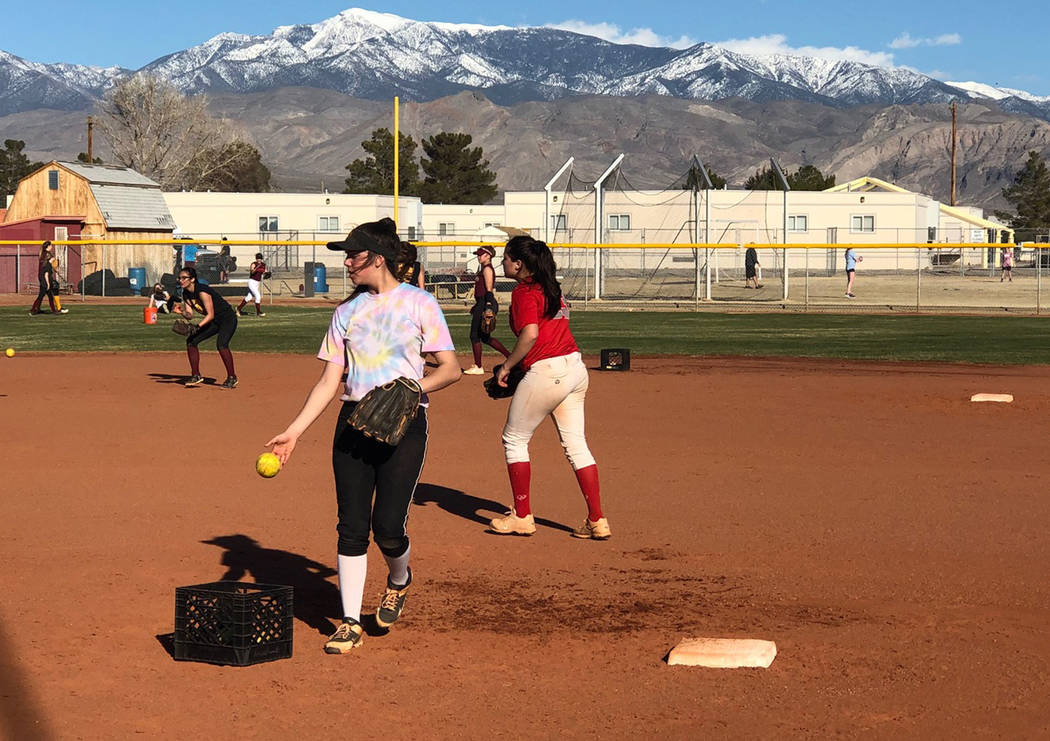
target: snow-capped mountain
1009 99
377 55
28 85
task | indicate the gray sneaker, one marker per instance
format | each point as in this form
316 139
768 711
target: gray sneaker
392 603
194 381
346 638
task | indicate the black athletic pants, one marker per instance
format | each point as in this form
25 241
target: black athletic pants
364 466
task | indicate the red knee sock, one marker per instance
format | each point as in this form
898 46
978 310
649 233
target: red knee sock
520 476
195 359
227 360
588 479
476 347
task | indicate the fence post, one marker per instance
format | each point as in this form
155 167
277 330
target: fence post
918 278
103 270
1038 278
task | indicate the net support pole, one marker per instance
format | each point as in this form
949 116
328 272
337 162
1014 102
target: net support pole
707 240
598 225
547 199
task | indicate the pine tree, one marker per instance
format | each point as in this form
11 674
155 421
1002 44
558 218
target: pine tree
806 177
234 168
809 177
455 172
375 174
694 181
14 166
1029 195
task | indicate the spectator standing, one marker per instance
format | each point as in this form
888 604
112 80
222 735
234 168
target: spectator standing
751 267
1007 255
852 258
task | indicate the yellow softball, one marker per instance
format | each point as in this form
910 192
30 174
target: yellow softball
9 352
268 465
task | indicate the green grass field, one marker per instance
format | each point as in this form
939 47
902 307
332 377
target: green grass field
962 339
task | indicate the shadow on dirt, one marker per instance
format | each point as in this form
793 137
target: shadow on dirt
316 599
20 712
464 505
177 378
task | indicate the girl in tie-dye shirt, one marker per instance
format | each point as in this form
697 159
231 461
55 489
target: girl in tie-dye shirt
380 333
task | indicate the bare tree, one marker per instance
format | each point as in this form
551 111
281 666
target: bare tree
154 129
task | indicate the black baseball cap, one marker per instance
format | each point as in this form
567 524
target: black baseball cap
360 241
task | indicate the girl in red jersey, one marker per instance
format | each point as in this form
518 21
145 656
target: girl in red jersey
554 385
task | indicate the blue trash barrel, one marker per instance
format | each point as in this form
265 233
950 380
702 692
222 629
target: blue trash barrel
320 278
137 279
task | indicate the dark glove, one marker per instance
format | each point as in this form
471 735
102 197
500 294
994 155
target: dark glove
184 327
495 391
488 321
386 411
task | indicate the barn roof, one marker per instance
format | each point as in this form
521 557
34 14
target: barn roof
132 208
109 174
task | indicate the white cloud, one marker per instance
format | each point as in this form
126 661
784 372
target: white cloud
616 35
777 44
907 41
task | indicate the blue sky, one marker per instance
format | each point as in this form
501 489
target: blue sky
963 40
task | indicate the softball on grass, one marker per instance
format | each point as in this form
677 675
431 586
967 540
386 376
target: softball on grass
268 465
9 352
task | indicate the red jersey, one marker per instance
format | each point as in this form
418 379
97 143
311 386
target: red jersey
528 304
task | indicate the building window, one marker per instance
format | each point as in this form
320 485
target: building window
559 223
327 223
267 223
446 228
491 223
798 223
619 222
52 179
411 232
862 224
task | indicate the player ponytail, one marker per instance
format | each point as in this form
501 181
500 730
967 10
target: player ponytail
406 258
537 259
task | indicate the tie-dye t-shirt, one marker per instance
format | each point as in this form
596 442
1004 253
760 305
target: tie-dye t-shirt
378 337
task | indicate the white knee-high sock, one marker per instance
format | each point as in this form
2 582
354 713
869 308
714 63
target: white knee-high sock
398 567
352 570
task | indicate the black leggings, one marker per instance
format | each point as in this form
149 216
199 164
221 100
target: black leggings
363 466
224 329
476 335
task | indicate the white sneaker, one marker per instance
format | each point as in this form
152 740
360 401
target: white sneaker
511 524
474 370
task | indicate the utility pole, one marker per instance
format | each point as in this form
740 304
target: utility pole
953 154
91 149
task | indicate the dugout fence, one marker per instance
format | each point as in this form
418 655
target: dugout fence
897 276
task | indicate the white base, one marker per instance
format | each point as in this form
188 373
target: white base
723 653
1002 398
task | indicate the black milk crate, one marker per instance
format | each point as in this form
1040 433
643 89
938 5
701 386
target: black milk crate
230 622
615 359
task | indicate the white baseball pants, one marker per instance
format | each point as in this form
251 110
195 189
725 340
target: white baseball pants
555 387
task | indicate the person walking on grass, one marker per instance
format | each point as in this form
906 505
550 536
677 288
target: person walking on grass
377 335
218 320
852 258
554 385
484 298
46 280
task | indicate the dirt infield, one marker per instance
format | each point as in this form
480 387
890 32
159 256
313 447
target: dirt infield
889 535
